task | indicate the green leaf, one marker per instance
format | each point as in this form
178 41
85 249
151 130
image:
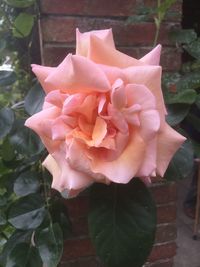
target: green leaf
28 212
176 113
185 97
2 45
8 152
20 3
2 218
122 223
183 36
6 121
16 238
23 25
24 255
198 101
49 242
24 140
7 77
193 48
26 183
34 99
189 81
193 121
181 165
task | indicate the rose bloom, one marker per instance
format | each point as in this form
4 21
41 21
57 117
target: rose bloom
103 118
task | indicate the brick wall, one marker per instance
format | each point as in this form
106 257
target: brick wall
58 23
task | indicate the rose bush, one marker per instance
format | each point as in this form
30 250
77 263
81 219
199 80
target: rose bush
103 118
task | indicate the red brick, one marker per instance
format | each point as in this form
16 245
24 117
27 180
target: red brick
62 29
97 8
78 207
164 193
165 233
88 7
77 248
84 262
80 227
164 251
165 263
166 214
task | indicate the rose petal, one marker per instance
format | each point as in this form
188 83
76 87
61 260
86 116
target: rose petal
149 124
102 53
42 73
153 57
83 40
118 94
168 143
124 168
78 74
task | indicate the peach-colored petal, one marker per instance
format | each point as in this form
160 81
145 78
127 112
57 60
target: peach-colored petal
42 73
64 177
60 129
118 119
56 98
124 168
148 165
168 143
149 124
113 73
78 74
118 94
150 76
100 131
83 40
141 95
153 57
102 53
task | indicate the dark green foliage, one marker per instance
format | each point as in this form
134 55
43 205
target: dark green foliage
122 223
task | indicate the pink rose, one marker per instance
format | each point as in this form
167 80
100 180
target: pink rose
103 118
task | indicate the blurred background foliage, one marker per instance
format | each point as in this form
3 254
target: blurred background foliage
33 218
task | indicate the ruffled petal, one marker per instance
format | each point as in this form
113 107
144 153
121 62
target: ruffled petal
102 53
42 73
153 57
149 124
77 74
83 40
124 168
168 142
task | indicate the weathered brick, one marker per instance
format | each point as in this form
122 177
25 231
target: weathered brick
62 29
77 248
165 233
97 8
78 207
166 214
164 192
82 262
163 251
165 263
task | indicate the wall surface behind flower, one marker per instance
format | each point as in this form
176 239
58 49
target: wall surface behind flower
59 20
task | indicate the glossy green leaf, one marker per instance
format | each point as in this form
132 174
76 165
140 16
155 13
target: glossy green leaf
122 223
2 45
28 212
26 183
2 218
189 81
34 99
8 152
49 242
23 25
24 255
198 101
193 48
24 140
184 97
176 113
194 121
20 3
183 36
181 165
17 237
6 121
7 77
